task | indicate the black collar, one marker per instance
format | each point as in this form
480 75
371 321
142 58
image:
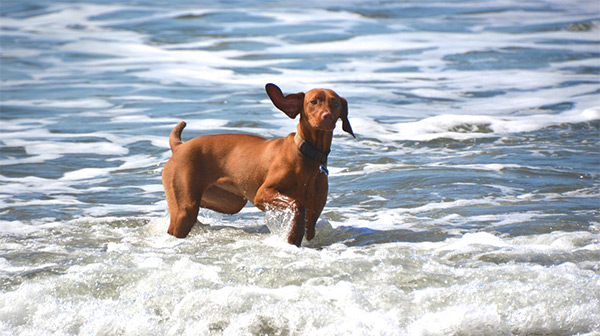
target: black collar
310 151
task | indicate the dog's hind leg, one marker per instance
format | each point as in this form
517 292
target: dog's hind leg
182 199
183 219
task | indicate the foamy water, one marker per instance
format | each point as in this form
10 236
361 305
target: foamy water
467 205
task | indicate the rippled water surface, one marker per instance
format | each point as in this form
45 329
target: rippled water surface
467 205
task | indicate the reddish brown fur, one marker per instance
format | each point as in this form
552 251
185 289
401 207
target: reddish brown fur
222 172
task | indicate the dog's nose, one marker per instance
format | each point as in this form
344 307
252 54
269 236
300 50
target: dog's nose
327 117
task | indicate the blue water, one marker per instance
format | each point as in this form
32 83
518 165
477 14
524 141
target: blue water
467 205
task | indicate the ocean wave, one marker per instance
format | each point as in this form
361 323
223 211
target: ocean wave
464 127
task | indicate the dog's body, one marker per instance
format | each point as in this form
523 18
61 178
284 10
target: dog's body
223 172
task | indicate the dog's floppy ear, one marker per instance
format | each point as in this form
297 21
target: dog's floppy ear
291 104
344 116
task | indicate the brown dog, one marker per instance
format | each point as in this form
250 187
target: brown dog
223 172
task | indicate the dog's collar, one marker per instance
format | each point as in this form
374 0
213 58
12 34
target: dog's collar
311 152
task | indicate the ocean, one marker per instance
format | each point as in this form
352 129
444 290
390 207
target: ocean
468 204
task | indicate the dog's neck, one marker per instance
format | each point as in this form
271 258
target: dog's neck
320 141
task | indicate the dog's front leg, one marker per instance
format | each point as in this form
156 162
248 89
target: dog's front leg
271 197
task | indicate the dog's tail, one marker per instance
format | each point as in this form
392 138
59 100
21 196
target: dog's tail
175 137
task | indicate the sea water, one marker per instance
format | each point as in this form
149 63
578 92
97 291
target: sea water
467 205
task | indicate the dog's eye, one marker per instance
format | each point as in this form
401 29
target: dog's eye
335 104
314 102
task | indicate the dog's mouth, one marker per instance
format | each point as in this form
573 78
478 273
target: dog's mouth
326 126
320 123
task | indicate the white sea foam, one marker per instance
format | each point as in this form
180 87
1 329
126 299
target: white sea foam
85 173
16 227
254 285
30 159
462 127
192 65
87 103
137 118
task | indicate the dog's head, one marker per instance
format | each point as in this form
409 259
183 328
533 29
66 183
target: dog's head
320 108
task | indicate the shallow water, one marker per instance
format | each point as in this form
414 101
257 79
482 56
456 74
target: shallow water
467 205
